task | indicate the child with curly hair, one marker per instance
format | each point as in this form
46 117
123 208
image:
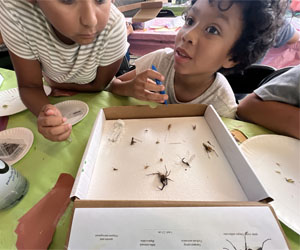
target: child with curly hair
218 36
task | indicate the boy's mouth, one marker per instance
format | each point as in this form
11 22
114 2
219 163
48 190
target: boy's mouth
182 53
88 35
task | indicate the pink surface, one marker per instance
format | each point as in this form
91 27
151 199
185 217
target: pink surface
36 228
3 122
144 42
295 5
158 33
287 55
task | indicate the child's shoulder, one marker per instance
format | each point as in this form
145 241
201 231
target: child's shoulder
165 54
114 12
160 58
158 55
116 20
13 10
162 52
16 5
221 85
220 79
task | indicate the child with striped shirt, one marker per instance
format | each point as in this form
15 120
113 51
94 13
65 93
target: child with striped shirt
74 44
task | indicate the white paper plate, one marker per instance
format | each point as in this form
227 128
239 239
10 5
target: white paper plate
1 79
21 137
73 110
11 102
276 161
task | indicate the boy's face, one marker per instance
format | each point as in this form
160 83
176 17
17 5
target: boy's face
77 21
203 43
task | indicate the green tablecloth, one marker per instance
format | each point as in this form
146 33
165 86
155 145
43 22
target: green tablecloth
46 160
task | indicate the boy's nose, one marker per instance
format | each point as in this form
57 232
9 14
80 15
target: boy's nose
189 36
88 17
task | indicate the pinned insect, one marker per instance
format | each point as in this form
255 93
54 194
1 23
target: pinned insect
115 169
209 148
118 130
169 126
134 140
194 127
289 180
186 161
163 178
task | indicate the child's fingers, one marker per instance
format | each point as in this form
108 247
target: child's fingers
149 73
48 109
51 120
155 75
51 110
64 136
155 97
56 133
152 86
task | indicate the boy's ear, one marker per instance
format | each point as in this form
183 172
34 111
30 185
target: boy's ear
229 63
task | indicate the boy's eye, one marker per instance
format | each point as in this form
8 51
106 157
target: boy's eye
189 21
213 30
72 1
67 1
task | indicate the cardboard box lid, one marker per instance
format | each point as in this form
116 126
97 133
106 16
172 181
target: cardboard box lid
148 10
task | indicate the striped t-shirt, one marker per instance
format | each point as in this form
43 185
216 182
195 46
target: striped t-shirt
27 33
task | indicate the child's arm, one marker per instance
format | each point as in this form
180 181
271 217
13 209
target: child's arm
279 117
140 86
1 39
50 121
295 38
103 77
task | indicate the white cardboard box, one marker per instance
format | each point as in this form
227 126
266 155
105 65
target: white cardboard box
118 203
166 138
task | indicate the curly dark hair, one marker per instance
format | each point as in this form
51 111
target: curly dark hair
261 21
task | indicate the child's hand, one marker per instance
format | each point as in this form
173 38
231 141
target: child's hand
52 125
144 88
129 28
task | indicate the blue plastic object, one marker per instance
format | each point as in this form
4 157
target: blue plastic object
158 82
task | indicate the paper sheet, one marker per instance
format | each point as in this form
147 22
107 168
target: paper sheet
176 228
1 79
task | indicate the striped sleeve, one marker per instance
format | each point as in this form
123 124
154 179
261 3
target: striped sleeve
116 40
12 30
